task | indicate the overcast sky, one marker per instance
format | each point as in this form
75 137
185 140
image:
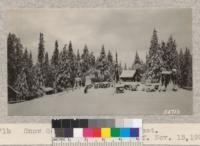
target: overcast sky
121 30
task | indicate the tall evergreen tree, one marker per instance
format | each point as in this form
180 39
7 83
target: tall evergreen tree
137 58
11 52
137 62
187 71
41 49
30 60
110 57
85 60
25 60
47 71
21 86
71 56
181 68
171 54
117 68
154 63
55 56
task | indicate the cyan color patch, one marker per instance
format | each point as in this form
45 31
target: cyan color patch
124 132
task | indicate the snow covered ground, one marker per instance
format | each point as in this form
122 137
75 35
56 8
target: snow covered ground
104 102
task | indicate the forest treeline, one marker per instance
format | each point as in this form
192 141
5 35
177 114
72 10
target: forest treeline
60 69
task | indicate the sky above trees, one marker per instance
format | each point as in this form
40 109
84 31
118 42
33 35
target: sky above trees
123 30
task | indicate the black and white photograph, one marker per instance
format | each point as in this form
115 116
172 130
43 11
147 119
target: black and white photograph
99 62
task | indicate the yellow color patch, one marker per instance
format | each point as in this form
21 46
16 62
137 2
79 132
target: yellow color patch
105 132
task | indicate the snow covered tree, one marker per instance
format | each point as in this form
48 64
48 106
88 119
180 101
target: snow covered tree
63 71
85 60
41 49
25 59
21 86
110 57
47 72
137 58
12 58
92 60
154 63
137 63
170 54
187 68
55 56
30 63
181 68
111 65
72 61
118 68
37 81
54 64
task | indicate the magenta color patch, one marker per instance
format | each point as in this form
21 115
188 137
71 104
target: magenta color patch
87 132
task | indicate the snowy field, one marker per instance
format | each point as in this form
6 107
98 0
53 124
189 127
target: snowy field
104 102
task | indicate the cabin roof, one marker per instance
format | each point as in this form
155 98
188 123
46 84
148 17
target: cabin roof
128 73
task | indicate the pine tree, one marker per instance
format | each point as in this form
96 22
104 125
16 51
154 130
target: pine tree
110 57
137 58
92 60
55 65
30 62
154 63
71 57
47 71
164 54
111 66
171 54
78 64
103 53
181 68
187 69
118 68
11 52
19 57
85 60
25 58
55 56
137 63
78 56
37 81
41 50
21 86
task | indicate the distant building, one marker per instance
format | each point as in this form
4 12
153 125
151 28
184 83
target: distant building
130 76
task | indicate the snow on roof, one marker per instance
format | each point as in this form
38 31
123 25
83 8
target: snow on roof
127 73
166 72
47 89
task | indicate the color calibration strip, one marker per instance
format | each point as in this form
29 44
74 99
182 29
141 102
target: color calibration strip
97 128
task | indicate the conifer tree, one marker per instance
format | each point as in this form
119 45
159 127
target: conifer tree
181 68
41 50
11 52
55 56
21 86
171 54
154 63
